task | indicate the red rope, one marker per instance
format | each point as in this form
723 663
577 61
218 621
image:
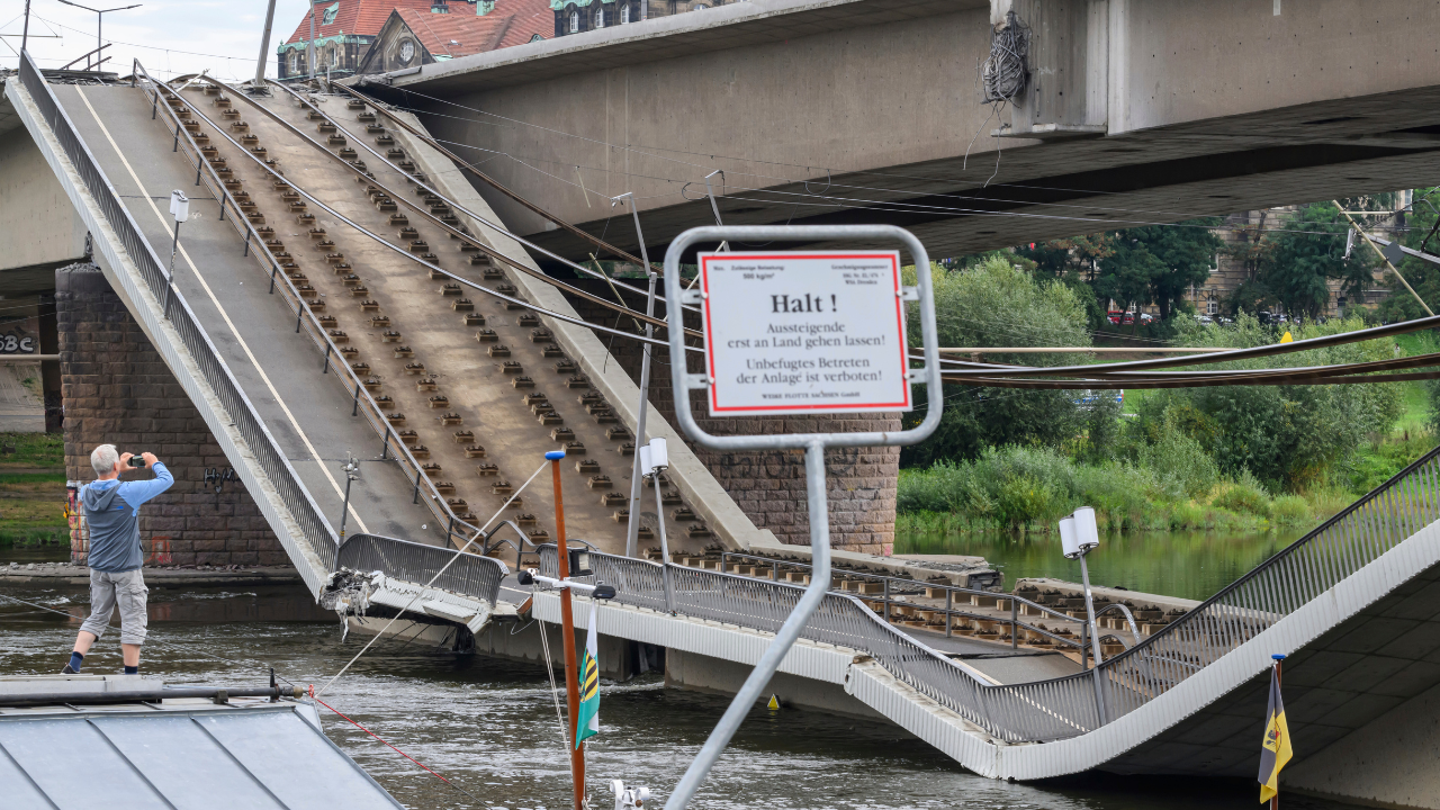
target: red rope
393 748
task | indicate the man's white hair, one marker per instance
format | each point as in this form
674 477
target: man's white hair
103 459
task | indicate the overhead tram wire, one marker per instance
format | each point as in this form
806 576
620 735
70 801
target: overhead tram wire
490 251
436 268
492 182
903 193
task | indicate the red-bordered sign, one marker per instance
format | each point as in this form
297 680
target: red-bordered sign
804 332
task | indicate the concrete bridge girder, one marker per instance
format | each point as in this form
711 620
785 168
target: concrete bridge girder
845 111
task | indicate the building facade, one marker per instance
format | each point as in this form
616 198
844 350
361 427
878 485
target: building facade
579 16
412 37
344 30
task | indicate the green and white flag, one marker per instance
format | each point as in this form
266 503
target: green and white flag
588 717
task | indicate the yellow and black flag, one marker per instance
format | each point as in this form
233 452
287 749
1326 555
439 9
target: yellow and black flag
1275 751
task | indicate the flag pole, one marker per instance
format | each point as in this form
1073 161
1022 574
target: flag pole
567 625
1279 659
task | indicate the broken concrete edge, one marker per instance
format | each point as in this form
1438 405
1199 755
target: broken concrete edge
700 489
1141 601
956 570
113 260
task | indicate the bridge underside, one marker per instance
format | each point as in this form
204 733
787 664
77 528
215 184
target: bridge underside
1361 703
847 111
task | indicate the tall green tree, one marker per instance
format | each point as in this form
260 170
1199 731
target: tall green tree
996 304
1158 263
1309 253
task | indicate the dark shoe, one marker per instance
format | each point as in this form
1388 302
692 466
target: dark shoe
68 670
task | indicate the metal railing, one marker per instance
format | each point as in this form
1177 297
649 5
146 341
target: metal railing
1062 707
315 531
471 575
894 587
306 321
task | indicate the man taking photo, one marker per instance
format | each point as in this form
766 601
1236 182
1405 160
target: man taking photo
112 510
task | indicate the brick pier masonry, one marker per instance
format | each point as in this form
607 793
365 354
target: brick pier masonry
117 389
770 486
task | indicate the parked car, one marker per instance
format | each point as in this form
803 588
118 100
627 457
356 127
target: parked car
1114 316
1205 319
1090 397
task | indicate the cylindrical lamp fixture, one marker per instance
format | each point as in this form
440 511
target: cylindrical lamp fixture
659 456
1069 541
1086 532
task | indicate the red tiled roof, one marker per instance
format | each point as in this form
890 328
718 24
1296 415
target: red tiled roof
455 34
359 17
527 18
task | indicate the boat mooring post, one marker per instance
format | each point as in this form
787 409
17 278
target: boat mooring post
567 640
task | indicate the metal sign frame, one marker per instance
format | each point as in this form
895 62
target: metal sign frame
814 444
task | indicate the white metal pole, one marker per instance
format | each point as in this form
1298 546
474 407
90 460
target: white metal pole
664 546
632 529
1094 639
310 51
265 44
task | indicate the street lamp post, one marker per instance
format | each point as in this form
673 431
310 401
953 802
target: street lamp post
180 210
1078 537
350 469
655 459
100 23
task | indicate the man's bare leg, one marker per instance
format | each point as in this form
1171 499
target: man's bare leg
85 639
131 654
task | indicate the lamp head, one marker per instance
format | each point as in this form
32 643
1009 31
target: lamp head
646 468
659 456
1069 543
179 205
1086 531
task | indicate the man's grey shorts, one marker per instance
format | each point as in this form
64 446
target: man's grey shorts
126 588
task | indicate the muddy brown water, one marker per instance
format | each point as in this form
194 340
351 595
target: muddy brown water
490 725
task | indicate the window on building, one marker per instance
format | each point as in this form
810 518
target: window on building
600 17
294 62
625 14
698 6
536 38
407 51
329 18
574 22
1212 308
335 56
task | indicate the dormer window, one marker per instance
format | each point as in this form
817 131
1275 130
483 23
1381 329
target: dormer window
329 18
574 22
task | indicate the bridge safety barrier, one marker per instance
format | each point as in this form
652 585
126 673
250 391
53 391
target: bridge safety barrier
1061 707
471 575
314 530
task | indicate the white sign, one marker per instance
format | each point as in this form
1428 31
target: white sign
804 332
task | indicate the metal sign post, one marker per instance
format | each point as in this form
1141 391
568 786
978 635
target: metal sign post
800 295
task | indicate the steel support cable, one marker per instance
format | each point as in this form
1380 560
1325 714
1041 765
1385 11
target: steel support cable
490 181
479 533
477 217
493 253
649 154
408 255
1323 342
1203 382
433 497
1417 361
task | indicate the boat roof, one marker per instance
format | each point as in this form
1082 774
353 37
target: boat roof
182 753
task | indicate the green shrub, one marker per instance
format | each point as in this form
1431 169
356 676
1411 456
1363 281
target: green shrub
1291 509
1244 495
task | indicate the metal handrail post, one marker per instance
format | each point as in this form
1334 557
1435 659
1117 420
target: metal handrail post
1014 624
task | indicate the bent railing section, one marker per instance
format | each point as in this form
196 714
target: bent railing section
315 531
470 575
1068 706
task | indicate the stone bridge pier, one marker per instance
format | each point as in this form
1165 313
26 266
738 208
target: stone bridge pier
117 389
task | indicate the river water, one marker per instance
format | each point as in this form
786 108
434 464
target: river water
1193 565
490 726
